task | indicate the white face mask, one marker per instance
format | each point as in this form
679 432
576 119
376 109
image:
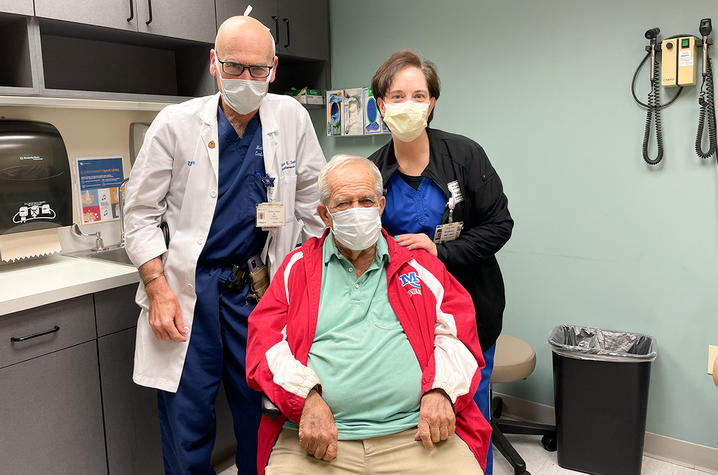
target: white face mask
357 228
406 120
242 95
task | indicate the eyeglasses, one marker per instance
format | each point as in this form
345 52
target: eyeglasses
236 69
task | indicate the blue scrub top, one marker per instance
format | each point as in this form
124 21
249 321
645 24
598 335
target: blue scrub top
233 237
410 210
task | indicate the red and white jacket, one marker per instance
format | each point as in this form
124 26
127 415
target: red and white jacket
435 311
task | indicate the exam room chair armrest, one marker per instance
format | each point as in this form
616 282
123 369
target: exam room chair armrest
270 409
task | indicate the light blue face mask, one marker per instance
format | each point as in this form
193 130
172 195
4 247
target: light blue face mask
357 228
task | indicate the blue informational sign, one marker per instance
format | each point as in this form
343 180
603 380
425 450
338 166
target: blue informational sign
100 173
99 180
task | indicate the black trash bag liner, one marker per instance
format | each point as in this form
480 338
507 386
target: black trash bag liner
602 345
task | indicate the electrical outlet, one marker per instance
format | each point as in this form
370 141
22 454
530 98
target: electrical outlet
712 355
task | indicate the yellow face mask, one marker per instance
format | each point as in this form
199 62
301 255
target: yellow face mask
406 120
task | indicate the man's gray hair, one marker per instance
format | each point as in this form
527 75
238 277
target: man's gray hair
338 161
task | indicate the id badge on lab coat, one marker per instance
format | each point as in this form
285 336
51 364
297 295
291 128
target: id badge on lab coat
447 232
270 215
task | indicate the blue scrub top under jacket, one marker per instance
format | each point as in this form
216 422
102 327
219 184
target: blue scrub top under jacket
410 210
233 237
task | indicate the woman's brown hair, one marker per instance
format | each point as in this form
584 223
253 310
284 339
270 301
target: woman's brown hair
403 58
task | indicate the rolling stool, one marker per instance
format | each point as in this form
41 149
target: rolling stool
514 360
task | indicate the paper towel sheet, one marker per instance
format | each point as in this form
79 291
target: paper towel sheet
17 246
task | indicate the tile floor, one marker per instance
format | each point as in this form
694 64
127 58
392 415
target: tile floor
540 462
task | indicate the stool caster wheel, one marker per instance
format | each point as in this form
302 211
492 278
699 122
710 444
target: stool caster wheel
497 407
549 443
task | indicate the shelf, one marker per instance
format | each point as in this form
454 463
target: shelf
103 101
84 64
77 103
383 134
313 107
298 74
14 52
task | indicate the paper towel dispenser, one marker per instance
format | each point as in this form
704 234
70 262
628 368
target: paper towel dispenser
35 184
138 130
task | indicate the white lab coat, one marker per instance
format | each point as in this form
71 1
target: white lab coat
175 179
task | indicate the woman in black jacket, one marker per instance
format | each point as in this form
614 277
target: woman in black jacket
442 195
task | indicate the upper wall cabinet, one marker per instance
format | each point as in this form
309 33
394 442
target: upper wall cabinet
21 7
110 13
300 29
148 50
186 19
262 10
303 28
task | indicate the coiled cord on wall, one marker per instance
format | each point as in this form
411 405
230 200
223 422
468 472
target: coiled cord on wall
653 112
706 101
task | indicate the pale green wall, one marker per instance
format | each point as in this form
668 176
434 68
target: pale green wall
601 238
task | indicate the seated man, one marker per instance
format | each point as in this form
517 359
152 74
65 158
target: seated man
366 348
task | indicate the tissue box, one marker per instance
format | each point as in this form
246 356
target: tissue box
306 95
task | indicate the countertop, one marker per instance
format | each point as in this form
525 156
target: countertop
33 283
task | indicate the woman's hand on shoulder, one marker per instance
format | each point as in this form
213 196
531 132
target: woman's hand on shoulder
416 241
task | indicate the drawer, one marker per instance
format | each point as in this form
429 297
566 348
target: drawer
68 322
51 413
116 310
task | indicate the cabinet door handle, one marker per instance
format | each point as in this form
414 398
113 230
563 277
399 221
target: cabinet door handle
132 11
149 7
15 339
276 32
286 20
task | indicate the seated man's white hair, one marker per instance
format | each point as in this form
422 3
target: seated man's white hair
338 161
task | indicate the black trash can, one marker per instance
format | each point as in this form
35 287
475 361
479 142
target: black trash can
601 381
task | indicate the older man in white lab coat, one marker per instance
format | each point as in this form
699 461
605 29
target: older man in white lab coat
234 177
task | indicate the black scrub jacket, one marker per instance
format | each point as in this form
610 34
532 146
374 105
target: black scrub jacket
485 213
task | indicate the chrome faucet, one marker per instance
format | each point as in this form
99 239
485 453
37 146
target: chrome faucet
121 199
99 244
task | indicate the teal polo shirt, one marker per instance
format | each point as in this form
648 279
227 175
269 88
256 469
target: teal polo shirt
371 379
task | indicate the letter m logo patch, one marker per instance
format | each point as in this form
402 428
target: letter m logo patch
410 279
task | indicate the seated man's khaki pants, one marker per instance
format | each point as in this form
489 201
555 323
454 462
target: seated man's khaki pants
389 454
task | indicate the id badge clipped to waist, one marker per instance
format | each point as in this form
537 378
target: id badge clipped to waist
447 232
451 230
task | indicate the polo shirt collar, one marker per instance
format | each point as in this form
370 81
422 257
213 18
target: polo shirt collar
330 249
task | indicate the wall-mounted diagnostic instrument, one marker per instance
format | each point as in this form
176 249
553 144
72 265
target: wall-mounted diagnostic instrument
678 68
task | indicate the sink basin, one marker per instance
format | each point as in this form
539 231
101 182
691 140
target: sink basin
117 255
